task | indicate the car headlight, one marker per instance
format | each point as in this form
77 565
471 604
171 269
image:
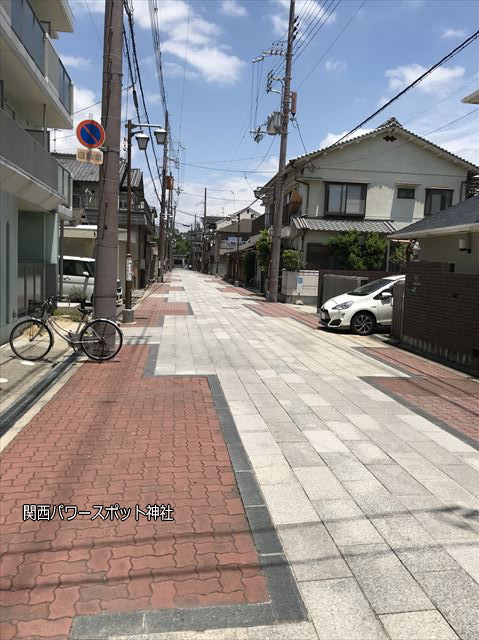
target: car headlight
343 305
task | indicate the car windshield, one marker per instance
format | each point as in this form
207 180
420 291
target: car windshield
370 287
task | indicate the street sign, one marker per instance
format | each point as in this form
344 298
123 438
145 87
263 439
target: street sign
90 155
299 284
90 134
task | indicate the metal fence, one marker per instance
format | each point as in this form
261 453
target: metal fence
398 309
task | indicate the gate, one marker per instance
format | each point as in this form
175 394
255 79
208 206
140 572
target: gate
334 285
398 309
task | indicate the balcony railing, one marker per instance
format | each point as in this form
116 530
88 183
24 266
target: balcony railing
23 151
65 185
31 34
90 201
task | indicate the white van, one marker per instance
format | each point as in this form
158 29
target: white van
79 279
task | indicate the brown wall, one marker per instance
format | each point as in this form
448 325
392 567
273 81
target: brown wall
441 313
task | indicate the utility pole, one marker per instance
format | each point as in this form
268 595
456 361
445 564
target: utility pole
168 227
107 234
203 253
272 294
172 257
163 202
237 250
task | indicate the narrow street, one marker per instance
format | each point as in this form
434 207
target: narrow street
322 485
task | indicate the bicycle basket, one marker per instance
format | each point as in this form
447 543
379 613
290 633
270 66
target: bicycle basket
35 308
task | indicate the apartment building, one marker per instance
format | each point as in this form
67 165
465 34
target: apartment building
36 94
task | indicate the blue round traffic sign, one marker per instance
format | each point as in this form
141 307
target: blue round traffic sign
90 134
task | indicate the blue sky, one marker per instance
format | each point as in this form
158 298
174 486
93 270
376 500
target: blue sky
386 45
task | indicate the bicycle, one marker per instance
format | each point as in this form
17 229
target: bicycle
32 338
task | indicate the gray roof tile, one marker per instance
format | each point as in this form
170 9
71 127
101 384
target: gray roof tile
466 212
333 224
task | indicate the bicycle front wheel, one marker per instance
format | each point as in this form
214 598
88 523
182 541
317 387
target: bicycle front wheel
31 340
101 339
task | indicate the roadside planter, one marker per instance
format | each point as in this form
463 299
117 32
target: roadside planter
300 285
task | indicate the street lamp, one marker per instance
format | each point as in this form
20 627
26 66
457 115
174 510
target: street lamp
142 139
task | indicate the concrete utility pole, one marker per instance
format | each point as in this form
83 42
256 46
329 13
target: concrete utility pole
203 253
237 250
161 241
172 256
109 187
272 294
168 227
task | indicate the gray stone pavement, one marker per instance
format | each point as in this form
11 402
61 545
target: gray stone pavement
377 508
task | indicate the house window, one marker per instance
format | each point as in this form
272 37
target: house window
437 200
345 199
406 193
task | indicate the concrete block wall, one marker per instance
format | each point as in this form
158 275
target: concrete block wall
441 313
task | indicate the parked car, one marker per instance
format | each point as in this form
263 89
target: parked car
363 309
79 279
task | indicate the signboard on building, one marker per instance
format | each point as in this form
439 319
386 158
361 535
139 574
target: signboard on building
90 155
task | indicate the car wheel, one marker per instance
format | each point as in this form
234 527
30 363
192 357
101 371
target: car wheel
363 323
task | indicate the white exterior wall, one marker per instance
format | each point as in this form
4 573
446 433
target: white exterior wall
382 166
445 249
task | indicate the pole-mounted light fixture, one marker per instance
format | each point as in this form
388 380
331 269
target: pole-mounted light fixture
142 140
160 135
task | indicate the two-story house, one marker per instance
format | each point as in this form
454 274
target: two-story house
378 182
35 94
229 233
81 239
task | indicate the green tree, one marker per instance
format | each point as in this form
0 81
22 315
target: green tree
182 243
263 250
292 260
359 251
398 256
249 262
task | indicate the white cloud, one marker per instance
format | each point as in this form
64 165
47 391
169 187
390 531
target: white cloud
439 80
454 33
214 64
315 12
75 61
232 8
83 102
331 138
335 65
206 55
175 70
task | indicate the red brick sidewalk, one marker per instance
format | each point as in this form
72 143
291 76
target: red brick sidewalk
441 392
111 436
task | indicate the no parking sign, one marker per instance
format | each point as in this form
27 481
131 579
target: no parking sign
90 134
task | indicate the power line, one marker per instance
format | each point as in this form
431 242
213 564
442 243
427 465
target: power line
322 20
135 98
419 79
332 43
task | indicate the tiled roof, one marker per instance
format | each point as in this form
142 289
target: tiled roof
391 124
328 224
464 213
86 172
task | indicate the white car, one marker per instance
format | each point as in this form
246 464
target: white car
362 309
79 279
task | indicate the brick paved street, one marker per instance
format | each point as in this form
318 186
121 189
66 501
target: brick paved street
320 471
